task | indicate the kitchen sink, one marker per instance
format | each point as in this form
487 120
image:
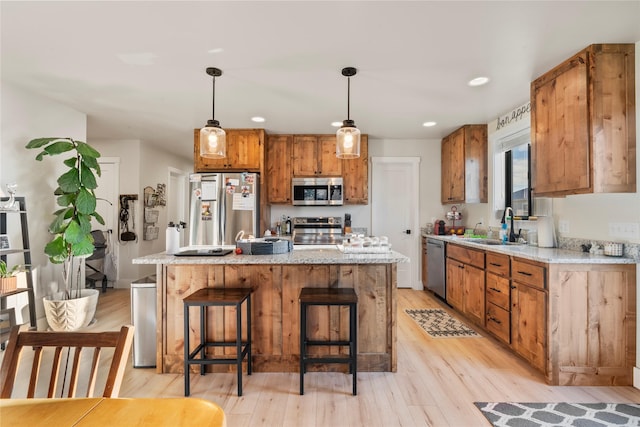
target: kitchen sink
491 242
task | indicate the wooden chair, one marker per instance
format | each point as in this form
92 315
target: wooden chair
121 342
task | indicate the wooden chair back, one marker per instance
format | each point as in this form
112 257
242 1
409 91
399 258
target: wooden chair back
121 342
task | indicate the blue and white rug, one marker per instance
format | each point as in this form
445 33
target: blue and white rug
510 414
439 324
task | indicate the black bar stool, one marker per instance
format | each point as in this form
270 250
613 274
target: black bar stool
217 297
328 297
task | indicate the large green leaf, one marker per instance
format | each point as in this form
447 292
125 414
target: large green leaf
86 150
66 199
41 155
84 246
71 162
87 178
98 218
39 142
56 250
85 202
69 181
58 147
93 164
59 224
85 223
73 233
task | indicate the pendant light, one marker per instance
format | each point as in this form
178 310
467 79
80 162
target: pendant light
348 136
213 139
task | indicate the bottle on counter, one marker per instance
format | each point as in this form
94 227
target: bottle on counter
288 226
278 228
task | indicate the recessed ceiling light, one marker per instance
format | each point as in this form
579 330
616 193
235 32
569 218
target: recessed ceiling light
478 81
216 50
429 124
336 124
257 119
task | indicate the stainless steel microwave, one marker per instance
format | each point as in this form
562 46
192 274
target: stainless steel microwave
317 191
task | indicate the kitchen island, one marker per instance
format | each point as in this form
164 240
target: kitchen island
276 281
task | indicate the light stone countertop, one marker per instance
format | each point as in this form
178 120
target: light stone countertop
546 255
325 254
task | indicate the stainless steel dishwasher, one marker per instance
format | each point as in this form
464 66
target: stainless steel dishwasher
436 281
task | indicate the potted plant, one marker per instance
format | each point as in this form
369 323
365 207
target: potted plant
73 307
8 277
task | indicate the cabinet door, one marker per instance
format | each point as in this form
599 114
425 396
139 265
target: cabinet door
328 163
474 164
452 186
474 287
455 283
305 160
528 324
279 168
560 153
356 176
245 149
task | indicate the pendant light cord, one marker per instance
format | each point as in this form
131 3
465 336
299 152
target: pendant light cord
348 97
213 100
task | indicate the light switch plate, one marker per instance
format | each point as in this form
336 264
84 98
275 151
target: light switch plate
563 226
625 230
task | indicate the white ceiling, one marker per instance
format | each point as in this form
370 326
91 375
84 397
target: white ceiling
137 69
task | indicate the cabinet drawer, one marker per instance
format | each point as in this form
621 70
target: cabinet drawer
527 273
498 264
498 322
466 255
498 290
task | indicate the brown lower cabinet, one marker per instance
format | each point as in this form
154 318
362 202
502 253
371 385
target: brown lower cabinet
576 323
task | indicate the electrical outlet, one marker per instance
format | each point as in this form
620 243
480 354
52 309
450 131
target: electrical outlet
563 226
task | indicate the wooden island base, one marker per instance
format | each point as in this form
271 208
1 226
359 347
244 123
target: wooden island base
276 313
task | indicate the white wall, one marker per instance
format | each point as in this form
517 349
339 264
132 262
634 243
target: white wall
141 165
26 116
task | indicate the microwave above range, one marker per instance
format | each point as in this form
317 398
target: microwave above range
317 191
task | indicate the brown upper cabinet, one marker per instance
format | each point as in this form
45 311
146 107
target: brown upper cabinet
245 152
583 124
315 155
464 165
289 156
279 148
355 173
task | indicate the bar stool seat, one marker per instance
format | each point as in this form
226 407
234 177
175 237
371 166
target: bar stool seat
217 297
329 297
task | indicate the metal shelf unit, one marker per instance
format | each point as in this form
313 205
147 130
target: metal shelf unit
26 251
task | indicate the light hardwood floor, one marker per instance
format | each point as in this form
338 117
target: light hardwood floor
436 384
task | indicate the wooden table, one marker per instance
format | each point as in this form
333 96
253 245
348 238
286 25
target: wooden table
111 412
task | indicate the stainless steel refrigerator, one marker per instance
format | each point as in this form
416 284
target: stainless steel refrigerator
222 205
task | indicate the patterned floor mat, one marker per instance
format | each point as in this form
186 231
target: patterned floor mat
560 414
439 324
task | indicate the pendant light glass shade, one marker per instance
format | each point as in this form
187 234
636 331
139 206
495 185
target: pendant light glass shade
348 141
213 139
348 136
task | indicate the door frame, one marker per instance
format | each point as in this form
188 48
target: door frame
414 188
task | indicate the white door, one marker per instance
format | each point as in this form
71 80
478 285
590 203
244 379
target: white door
177 203
394 206
107 194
